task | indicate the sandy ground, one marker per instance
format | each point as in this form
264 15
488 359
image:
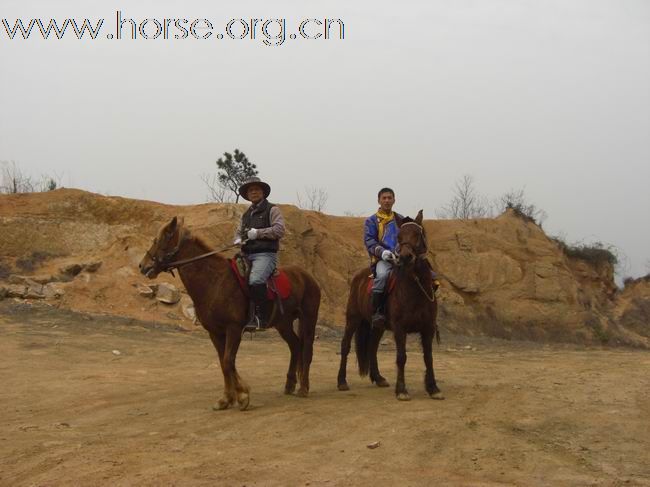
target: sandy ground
75 413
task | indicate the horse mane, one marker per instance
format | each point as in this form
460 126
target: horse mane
200 242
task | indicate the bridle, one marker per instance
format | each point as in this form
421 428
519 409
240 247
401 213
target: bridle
422 247
164 265
421 253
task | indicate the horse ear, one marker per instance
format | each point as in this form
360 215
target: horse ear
172 225
398 220
418 219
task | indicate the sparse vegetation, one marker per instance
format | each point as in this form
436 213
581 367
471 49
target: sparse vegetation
629 281
5 270
515 200
232 170
312 198
466 202
602 335
594 253
13 180
30 262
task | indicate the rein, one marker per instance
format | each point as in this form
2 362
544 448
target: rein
421 255
176 264
170 266
432 299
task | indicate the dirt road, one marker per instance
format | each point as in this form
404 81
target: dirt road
76 413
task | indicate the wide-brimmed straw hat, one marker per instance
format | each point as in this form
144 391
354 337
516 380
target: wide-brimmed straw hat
254 181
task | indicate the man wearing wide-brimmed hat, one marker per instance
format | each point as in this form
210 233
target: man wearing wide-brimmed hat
261 229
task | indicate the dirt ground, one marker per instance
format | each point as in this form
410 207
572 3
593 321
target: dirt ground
76 413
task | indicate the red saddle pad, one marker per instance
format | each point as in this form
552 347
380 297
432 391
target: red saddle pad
391 283
279 283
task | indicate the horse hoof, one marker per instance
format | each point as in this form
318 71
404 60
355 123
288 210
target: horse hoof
437 395
403 396
344 386
302 393
382 383
244 402
221 405
288 390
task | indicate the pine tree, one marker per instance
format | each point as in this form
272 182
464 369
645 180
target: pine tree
233 170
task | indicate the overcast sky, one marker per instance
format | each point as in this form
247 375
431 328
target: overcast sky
549 96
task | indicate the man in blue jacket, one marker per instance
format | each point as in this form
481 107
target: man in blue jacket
380 237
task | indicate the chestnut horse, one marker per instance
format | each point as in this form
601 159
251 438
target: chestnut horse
411 307
221 306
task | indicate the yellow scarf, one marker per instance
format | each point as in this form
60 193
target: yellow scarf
383 219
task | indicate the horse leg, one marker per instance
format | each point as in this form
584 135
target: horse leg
375 376
219 342
429 376
346 341
307 332
400 342
286 332
238 386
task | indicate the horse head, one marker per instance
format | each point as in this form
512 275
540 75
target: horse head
411 238
164 248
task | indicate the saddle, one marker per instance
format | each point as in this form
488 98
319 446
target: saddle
278 285
390 285
392 280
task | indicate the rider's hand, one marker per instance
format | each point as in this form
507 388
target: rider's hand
252 234
388 256
237 241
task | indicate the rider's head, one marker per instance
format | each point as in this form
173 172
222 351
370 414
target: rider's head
386 199
255 193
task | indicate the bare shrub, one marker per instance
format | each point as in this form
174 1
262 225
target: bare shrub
312 198
466 202
516 200
216 190
13 180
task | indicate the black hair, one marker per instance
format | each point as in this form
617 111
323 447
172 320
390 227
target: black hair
385 190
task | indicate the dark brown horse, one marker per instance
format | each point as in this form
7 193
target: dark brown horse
221 307
411 308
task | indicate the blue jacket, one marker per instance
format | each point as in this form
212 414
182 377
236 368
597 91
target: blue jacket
374 245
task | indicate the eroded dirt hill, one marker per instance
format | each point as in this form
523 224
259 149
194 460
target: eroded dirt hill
500 277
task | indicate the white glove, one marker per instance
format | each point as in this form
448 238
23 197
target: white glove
252 234
388 256
237 241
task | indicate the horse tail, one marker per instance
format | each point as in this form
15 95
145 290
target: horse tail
362 346
307 324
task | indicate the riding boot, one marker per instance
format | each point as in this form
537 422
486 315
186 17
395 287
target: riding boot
252 323
378 316
257 317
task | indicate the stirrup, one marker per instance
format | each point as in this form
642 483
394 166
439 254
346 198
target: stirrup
254 326
378 320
